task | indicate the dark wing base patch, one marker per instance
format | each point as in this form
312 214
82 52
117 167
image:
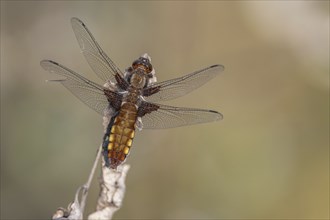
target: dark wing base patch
114 98
147 108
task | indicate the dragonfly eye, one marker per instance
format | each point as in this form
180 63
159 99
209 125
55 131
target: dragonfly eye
135 64
144 63
148 67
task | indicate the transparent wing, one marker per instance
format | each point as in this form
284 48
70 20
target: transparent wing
175 88
87 91
101 64
170 117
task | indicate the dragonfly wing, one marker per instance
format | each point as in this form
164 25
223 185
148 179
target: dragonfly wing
101 64
87 91
178 87
164 116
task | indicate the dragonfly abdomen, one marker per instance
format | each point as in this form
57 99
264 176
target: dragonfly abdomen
121 135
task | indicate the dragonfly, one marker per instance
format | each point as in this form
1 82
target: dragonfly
129 99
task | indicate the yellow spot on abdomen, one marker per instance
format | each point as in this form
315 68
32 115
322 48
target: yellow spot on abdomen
116 129
110 146
113 129
129 142
112 137
126 150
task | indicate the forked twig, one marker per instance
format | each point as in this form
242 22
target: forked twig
89 181
111 195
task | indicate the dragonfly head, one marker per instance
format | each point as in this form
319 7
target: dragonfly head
142 63
141 73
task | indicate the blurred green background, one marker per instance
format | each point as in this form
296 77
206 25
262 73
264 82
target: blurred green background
268 158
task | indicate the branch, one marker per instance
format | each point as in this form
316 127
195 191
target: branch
112 184
112 192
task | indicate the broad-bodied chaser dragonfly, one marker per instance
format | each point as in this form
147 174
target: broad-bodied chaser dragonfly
129 98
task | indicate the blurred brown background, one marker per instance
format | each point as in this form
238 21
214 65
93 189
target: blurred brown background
268 158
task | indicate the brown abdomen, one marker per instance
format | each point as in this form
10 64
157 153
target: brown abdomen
122 134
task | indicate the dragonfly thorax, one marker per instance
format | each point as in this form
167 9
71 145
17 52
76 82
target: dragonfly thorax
138 79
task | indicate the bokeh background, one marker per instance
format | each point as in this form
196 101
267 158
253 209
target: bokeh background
268 158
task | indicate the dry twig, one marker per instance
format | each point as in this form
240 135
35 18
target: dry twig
111 195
